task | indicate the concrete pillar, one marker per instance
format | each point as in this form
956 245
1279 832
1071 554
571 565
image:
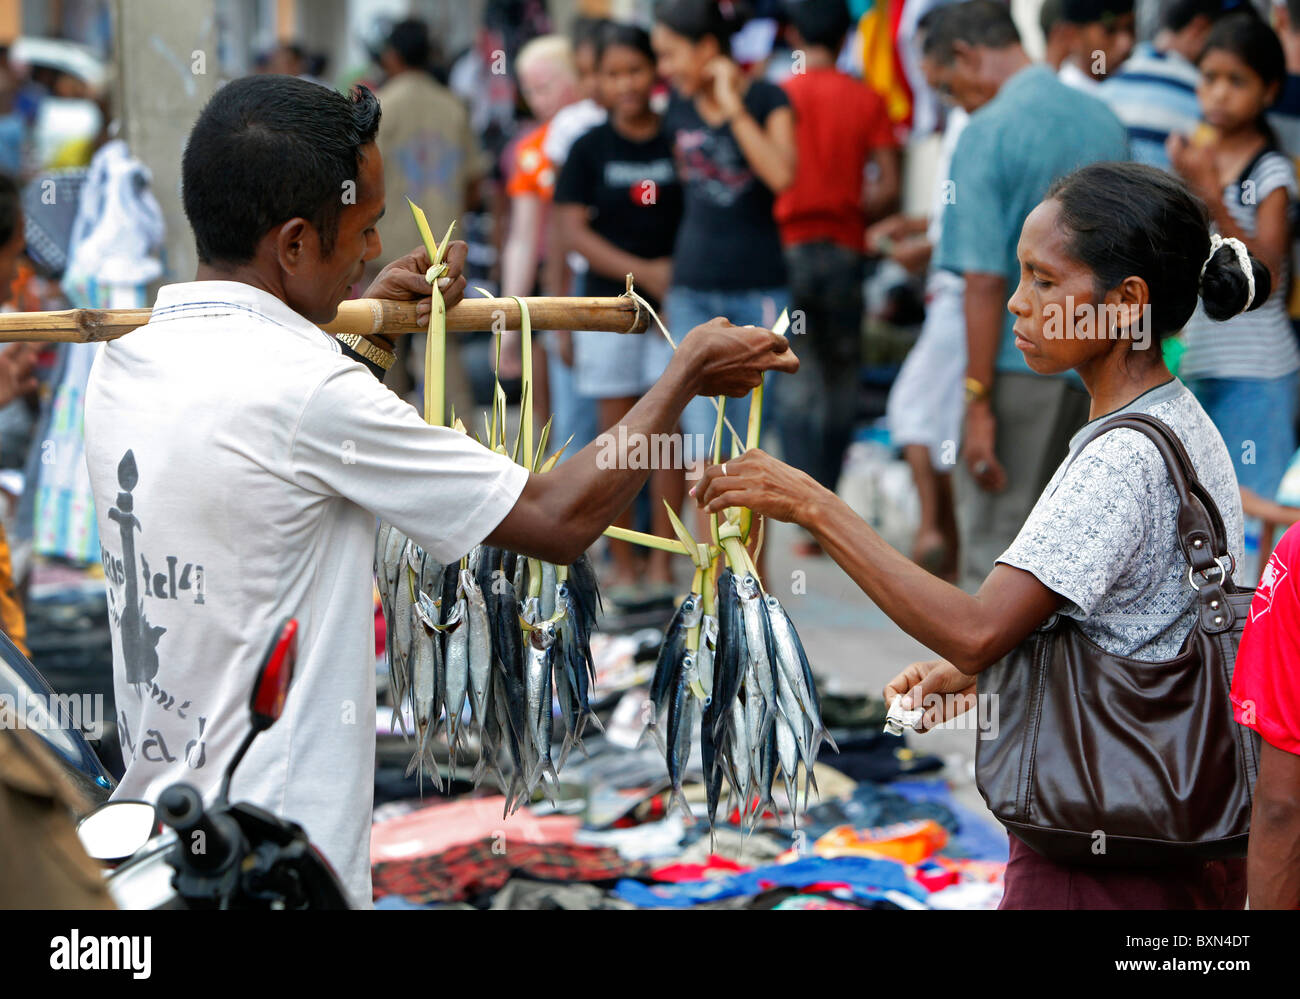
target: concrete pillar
167 69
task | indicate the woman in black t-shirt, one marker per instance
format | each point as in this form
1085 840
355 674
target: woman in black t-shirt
734 141
618 203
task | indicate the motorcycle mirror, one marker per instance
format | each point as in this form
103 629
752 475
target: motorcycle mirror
273 679
116 829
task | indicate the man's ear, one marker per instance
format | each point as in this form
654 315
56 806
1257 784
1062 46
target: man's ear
291 241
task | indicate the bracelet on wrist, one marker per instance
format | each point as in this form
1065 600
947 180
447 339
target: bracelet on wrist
977 391
374 356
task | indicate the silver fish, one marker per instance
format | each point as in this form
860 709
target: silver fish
457 672
541 657
758 641
548 591
424 673
480 647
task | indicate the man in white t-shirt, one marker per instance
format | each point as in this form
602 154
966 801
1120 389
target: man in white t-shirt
239 458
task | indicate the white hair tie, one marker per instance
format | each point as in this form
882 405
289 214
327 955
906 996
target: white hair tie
1243 258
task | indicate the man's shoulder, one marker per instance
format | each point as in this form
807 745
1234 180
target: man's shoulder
1030 123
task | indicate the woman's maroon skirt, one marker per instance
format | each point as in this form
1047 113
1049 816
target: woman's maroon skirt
1034 882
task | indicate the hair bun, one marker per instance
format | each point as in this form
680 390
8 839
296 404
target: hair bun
1224 286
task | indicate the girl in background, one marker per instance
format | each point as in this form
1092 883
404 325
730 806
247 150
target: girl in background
734 141
618 204
1246 371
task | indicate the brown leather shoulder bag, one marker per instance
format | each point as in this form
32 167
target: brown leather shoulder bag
1104 760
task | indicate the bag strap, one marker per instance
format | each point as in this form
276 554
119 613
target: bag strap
1201 533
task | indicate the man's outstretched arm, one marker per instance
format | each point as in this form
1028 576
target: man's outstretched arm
561 513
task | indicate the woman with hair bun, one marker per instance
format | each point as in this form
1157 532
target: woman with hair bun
1112 262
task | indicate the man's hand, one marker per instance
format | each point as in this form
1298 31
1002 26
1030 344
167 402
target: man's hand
912 253
730 360
882 234
404 279
17 371
978 452
938 686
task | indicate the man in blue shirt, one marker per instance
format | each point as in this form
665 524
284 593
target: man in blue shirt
1027 128
1154 92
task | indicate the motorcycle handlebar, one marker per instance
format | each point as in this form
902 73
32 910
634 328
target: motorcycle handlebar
209 841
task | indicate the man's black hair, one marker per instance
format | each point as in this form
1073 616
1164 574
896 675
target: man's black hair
1093 11
975 22
1180 13
824 23
267 149
410 40
9 208
1049 16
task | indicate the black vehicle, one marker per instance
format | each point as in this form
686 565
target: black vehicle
56 718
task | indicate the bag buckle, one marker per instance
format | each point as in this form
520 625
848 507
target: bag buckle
1225 570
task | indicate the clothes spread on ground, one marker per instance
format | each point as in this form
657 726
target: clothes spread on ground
864 877
238 462
728 239
473 869
632 192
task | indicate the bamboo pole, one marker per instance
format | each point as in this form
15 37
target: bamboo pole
366 316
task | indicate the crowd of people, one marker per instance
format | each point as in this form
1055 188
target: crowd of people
1143 194
743 189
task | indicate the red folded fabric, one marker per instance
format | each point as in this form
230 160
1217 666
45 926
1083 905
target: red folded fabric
715 865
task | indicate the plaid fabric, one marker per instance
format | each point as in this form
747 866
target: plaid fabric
483 866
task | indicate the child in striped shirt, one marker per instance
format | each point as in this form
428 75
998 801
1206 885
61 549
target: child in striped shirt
1245 371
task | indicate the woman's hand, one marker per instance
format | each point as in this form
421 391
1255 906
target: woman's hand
758 481
726 85
937 685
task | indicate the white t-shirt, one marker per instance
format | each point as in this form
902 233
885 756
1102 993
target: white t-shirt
261 457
